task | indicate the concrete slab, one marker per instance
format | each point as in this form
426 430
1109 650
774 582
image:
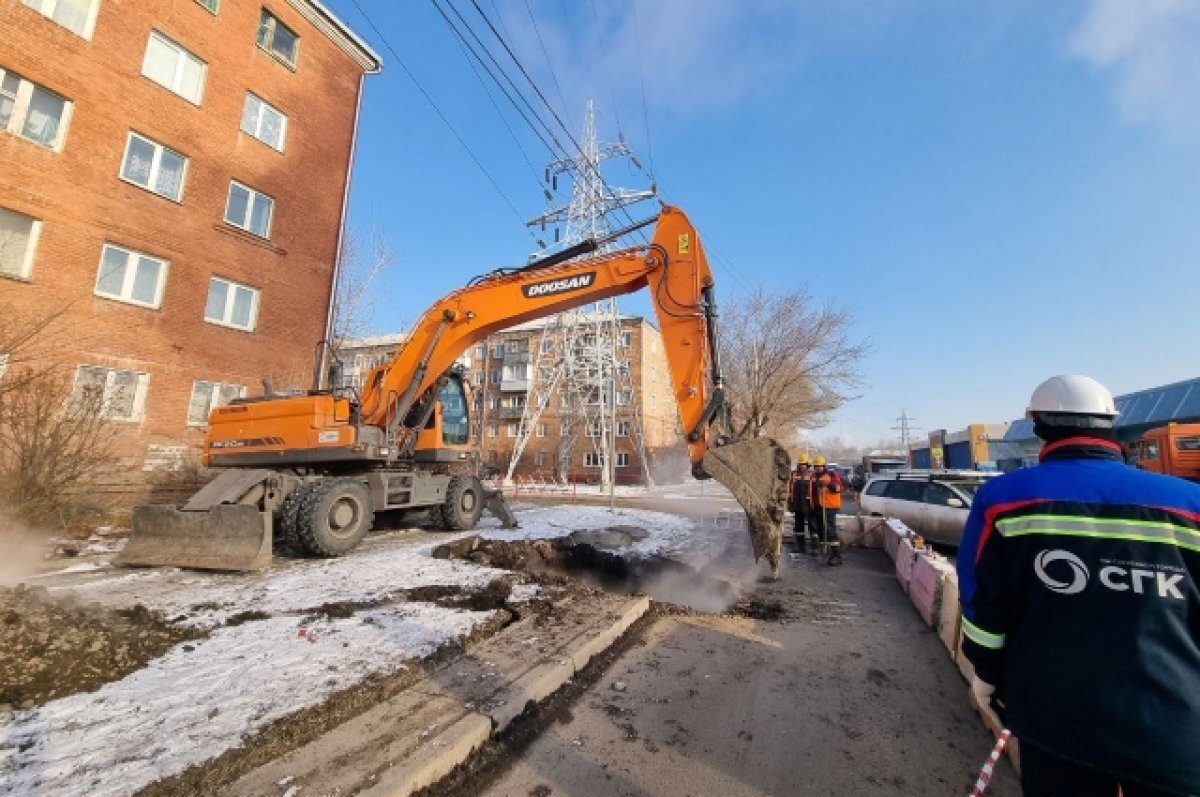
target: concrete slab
413 739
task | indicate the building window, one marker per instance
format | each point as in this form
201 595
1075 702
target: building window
122 394
622 460
77 16
539 459
492 457
129 276
495 377
32 112
624 397
211 5
481 352
545 374
623 368
248 209
626 339
593 429
541 430
498 350
206 395
495 402
18 240
517 346
153 167
264 122
277 38
591 459
564 400
564 429
622 428
513 429
479 378
231 304
174 68
493 430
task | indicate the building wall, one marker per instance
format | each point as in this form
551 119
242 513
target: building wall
82 203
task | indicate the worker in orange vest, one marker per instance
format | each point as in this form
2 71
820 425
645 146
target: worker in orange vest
827 495
799 499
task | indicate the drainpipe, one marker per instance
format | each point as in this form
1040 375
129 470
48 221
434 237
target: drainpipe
322 374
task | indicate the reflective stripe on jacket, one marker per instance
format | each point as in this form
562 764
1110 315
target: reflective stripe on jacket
1079 587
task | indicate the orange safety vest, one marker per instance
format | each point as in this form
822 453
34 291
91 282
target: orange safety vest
829 491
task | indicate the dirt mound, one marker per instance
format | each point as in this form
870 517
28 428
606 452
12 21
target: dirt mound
53 647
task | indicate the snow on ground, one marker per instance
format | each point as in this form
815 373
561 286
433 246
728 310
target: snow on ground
206 697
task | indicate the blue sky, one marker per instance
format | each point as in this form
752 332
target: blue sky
997 191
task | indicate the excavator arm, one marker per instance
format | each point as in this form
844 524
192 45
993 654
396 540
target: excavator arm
675 270
672 266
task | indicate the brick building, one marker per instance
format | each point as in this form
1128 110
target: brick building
500 372
173 180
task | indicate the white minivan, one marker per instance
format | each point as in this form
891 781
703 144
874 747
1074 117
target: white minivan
935 504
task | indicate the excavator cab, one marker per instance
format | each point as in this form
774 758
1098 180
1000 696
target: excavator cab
446 436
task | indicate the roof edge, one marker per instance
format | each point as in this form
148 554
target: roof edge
340 33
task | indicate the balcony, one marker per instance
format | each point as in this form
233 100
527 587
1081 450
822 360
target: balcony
514 385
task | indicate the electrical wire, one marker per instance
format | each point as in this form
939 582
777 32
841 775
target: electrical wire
546 55
612 96
441 115
637 29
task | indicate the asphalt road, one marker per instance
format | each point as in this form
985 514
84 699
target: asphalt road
845 692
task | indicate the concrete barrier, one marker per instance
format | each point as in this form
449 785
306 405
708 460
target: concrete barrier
906 557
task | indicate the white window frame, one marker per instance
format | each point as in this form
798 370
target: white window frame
623 428
591 459
213 393
493 430
495 377
183 55
563 429
622 459
47 8
137 406
155 166
541 430
626 339
256 133
131 257
245 224
539 458
20 112
513 428
593 429
35 230
268 47
498 350
229 302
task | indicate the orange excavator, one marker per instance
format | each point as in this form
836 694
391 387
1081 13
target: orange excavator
314 468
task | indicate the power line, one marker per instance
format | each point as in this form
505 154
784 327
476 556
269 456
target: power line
612 96
637 29
546 55
441 115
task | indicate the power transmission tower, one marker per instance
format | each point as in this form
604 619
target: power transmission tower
578 355
905 427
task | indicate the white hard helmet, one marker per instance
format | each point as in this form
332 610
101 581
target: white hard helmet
1072 400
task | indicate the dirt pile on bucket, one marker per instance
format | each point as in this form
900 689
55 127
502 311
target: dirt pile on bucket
55 647
756 472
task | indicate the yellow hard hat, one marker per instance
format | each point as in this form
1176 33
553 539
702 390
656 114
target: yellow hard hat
819 461
803 460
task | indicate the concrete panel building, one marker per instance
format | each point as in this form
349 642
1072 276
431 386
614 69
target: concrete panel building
173 182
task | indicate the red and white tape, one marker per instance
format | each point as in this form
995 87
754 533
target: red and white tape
989 766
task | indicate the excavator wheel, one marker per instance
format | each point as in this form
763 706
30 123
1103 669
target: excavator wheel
287 517
334 516
463 504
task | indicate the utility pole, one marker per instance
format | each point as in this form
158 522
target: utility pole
905 428
580 360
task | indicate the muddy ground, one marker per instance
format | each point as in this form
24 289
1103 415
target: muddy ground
53 647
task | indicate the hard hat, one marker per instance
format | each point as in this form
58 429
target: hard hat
1072 400
819 461
803 460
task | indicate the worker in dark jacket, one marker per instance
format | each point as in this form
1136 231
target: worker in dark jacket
799 487
1081 608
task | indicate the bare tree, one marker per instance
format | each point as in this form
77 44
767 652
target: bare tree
788 363
356 295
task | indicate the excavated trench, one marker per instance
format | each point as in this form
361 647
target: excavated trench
602 558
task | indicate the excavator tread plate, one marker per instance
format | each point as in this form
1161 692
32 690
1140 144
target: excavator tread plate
227 488
233 537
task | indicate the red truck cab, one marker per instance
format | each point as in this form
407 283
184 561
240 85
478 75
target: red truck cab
1173 449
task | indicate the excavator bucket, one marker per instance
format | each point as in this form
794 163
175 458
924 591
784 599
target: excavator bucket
209 532
225 537
495 502
756 472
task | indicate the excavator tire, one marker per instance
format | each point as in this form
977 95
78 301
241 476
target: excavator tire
287 517
756 472
334 516
463 504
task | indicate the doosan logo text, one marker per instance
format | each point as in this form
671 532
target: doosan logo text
559 285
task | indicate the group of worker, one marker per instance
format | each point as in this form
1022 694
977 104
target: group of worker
815 496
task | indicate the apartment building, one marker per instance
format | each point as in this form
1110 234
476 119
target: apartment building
173 182
501 374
